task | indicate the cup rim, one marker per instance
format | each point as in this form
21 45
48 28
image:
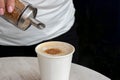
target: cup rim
51 56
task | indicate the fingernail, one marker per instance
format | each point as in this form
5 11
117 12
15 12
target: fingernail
1 11
10 9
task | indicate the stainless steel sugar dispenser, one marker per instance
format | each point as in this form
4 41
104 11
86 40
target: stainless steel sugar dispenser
23 16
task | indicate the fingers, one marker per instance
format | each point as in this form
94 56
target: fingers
10 4
2 7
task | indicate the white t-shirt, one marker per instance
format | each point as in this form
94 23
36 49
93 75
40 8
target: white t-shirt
57 15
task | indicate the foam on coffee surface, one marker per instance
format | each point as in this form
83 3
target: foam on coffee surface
55 48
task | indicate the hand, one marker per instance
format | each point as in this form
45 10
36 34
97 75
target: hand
8 5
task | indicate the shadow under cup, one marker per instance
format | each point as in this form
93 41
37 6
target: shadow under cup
54 58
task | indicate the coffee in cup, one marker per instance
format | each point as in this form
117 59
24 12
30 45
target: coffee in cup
55 48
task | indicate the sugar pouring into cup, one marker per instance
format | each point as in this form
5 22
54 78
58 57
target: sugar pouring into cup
54 58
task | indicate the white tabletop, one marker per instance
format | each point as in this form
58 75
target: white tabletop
26 68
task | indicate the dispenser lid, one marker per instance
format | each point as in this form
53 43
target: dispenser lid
24 21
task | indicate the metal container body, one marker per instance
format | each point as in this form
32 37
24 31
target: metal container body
15 15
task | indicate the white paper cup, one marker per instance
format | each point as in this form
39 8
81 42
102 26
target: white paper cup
55 67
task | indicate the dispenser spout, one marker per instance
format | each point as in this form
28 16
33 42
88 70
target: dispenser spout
37 23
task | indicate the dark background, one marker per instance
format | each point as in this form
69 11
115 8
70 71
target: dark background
98 30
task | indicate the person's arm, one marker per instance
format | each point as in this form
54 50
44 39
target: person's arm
9 5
